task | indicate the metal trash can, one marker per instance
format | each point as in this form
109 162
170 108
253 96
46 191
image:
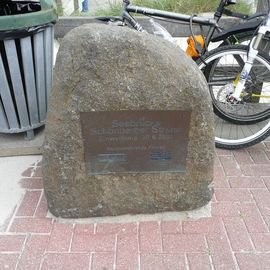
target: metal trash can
26 63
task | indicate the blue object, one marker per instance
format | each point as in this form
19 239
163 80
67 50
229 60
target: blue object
85 6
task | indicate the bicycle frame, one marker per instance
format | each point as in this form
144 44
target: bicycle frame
252 54
214 34
212 23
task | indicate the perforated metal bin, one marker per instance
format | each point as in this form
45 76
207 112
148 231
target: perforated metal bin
26 62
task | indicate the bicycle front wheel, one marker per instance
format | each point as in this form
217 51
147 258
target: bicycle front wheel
233 136
222 68
247 123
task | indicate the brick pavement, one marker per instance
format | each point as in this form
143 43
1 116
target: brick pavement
237 236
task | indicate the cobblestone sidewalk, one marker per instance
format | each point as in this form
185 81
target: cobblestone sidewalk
237 236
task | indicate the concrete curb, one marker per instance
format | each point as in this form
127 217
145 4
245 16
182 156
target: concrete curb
65 24
17 145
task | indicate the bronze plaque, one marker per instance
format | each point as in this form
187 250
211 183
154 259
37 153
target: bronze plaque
135 141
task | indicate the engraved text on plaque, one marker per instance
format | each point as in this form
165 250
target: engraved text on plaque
135 141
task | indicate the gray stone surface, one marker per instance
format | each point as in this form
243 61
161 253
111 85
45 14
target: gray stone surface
109 68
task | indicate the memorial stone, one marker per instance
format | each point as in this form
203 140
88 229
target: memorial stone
129 127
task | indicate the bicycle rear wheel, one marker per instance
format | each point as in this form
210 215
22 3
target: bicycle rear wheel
221 68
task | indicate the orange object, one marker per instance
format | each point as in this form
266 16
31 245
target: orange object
191 49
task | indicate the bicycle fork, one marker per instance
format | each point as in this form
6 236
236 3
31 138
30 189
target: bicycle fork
252 54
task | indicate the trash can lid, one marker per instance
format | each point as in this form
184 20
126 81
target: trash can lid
45 15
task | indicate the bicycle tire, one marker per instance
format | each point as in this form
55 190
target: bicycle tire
256 137
220 72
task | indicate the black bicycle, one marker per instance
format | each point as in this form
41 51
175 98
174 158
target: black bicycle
237 34
222 68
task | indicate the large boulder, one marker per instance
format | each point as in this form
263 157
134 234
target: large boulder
129 127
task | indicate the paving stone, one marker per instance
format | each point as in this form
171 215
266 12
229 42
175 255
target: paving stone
68 261
102 261
220 251
29 203
260 170
180 243
83 229
28 172
258 147
8 261
243 157
11 243
247 170
37 172
199 261
261 241
267 145
225 209
259 157
233 195
267 154
33 252
170 227
246 182
42 208
267 182
150 237
230 166
127 252
247 261
116 228
32 183
203 226
220 179
162 261
93 243
238 234
33 225
267 221
216 161
223 152
252 218
60 238
39 163
262 198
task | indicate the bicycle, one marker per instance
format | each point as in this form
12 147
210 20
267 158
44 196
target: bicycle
231 36
251 135
237 34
